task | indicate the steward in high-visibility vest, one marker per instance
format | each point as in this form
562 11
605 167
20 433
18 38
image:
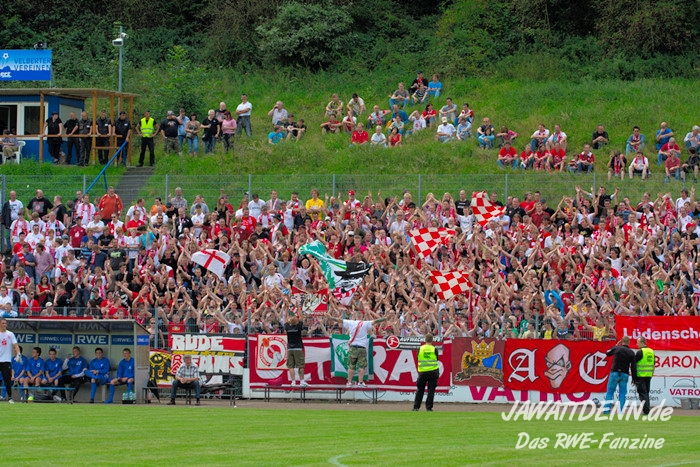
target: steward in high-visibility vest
428 372
146 129
645 370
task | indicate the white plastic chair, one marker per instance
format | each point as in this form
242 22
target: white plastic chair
18 152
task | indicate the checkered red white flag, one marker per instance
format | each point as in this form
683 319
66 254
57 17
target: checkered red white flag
426 240
483 209
449 284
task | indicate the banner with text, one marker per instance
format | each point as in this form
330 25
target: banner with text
556 366
394 370
25 65
477 362
677 364
272 352
661 332
210 352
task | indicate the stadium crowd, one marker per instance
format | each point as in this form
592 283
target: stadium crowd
541 270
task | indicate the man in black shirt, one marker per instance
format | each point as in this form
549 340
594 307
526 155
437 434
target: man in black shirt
54 128
71 127
104 129
168 129
600 138
295 350
85 128
462 202
624 364
122 128
420 79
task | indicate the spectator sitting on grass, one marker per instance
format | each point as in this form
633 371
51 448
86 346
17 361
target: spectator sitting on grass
334 107
508 156
667 149
360 136
485 134
449 110
692 139
692 164
395 123
356 104
377 117
331 126
349 122
464 129
434 87
557 158
527 157
663 136
616 165
673 166
557 136
430 115
585 159
418 120
399 112
467 113
505 135
296 130
600 137
539 137
640 164
420 95
541 158
394 137
400 97
445 132
636 141
378 138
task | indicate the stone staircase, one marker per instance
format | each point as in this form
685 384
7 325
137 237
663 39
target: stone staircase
131 183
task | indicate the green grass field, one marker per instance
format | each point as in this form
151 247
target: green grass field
48 434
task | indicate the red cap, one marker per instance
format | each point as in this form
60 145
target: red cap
351 192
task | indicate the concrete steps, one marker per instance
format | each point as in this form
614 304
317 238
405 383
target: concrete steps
131 183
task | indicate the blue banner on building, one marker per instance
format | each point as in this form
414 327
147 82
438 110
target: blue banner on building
25 65
55 339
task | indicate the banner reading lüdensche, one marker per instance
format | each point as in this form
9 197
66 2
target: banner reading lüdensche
661 332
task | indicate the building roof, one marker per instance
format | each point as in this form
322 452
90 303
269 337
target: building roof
72 93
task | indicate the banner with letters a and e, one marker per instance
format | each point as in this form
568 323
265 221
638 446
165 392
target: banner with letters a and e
554 366
25 65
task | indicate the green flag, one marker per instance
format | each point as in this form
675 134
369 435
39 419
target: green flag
339 357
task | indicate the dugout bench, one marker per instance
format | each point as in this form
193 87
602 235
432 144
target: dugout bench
338 390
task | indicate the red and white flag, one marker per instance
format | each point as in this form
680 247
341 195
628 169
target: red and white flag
483 209
449 284
426 240
212 260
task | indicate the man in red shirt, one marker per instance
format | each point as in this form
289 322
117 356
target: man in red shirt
77 232
673 165
508 156
667 149
586 159
136 222
558 159
248 221
359 136
110 204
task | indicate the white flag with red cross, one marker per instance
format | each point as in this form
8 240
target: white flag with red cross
449 284
426 240
484 210
212 260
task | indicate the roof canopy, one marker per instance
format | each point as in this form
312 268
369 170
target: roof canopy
72 93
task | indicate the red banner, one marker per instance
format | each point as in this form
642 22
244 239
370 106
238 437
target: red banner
313 304
393 370
554 366
477 362
661 332
211 353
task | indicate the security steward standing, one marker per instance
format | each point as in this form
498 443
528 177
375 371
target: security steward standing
122 128
168 129
146 129
624 364
645 370
428 372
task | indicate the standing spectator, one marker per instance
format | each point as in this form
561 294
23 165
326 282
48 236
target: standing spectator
25 259
334 107
485 134
295 350
122 129
585 159
636 141
255 206
624 362
600 138
168 130
192 134
72 141
228 129
211 126
434 87
243 116
446 131
187 377
182 121
221 112
54 129
110 204
278 113
644 359
399 97
8 345
360 136
428 372
178 201
45 262
10 213
314 206
358 330
663 135
692 139
147 128
104 129
85 129
356 104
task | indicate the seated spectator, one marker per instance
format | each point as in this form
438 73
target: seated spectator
527 157
557 136
539 137
9 144
617 165
275 136
378 138
635 142
557 158
394 137
434 86
395 123
331 126
449 110
573 164
508 156
278 113
541 158
640 164
420 79
691 164
334 107
420 95
418 120
377 117
667 149
663 135
398 112
430 115
600 138
296 130
126 373
585 160
467 113
349 122
97 373
360 136
356 105
485 134
399 97
464 129
187 377
692 139
673 166
445 132
505 135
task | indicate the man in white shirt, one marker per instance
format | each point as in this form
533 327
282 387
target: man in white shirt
399 225
243 116
639 164
8 345
539 137
139 206
446 131
358 330
255 206
96 225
